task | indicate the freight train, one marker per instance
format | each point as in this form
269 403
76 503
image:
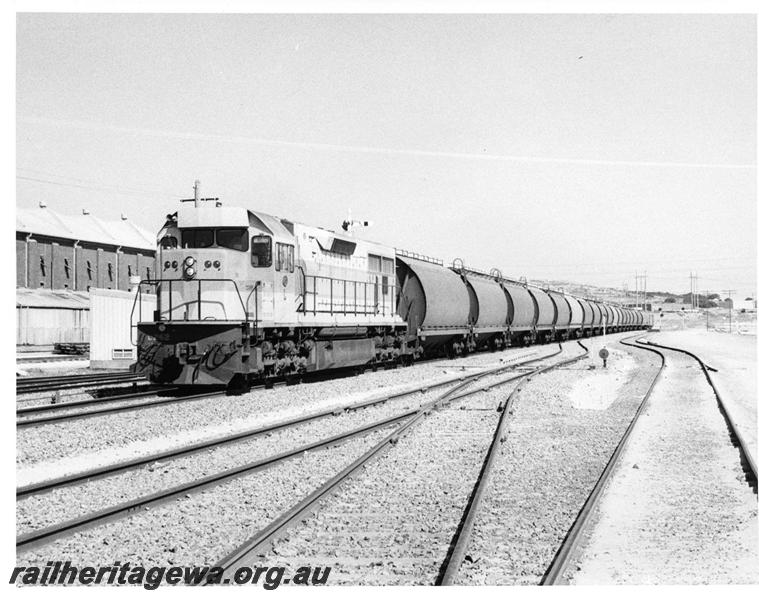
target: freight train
242 296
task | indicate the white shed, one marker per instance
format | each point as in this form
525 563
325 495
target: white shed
113 329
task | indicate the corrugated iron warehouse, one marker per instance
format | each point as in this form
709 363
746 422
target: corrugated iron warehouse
59 258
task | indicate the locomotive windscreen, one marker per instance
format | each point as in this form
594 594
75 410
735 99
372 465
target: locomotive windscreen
234 239
197 238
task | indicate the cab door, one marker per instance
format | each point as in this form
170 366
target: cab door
261 261
285 288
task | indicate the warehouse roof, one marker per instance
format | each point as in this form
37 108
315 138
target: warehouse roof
44 298
84 228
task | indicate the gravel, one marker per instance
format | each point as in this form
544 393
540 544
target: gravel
393 523
57 449
734 357
678 509
201 528
552 456
64 503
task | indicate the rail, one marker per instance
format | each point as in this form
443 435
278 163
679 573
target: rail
743 446
117 511
457 549
561 560
243 552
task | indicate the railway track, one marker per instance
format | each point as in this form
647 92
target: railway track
243 555
748 460
52 358
566 554
569 544
62 412
457 550
44 535
29 385
29 416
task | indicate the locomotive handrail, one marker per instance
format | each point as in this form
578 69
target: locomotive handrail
494 274
158 282
380 300
247 300
303 288
417 256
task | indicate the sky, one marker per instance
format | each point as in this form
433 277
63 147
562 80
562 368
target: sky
572 147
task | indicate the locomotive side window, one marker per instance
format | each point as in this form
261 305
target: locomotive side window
388 265
260 251
375 262
290 258
285 257
168 242
197 238
234 239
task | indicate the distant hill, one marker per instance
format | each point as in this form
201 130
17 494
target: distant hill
620 296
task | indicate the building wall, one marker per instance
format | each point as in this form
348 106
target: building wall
86 268
20 260
43 326
127 267
62 267
107 269
81 268
40 264
146 266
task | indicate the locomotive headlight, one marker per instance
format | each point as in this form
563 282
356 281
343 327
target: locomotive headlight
216 264
208 264
175 264
189 261
167 264
189 272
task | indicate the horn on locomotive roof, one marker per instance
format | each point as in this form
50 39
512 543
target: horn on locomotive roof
349 223
196 199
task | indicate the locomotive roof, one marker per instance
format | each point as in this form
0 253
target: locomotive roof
230 216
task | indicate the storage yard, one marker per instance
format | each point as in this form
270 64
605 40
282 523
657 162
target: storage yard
391 418
373 299
502 467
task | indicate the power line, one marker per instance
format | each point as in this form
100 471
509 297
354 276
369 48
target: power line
106 188
370 149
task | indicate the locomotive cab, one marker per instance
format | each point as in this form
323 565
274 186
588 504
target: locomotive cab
242 295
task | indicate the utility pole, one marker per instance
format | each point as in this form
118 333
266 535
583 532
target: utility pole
645 289
730 309
636 289
691 288
706 310
693 291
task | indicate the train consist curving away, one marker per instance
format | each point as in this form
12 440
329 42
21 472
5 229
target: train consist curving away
243 296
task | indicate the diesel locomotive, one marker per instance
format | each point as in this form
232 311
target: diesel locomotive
242 296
